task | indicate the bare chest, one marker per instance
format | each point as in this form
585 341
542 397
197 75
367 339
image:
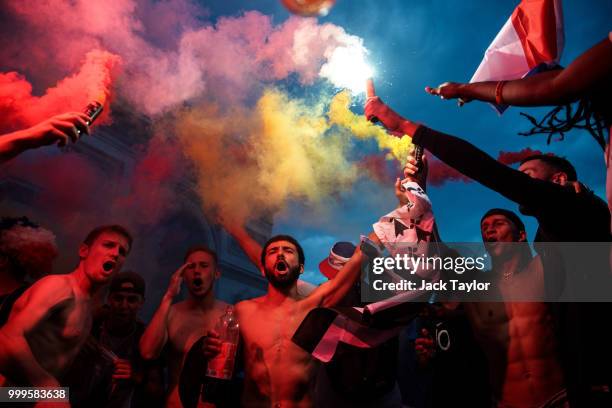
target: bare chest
58 339
269 335
186 327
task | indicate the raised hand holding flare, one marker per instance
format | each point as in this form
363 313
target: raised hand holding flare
377 111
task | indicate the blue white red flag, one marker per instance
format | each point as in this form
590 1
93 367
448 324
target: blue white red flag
531 41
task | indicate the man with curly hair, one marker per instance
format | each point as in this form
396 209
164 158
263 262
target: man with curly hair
27 252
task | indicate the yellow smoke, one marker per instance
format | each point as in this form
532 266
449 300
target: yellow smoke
296 155
360 127
224 175
250 162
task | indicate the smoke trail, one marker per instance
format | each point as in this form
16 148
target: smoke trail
360 127
19 108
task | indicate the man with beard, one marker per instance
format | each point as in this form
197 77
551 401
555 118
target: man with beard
50 322
182 324
278 373
27 252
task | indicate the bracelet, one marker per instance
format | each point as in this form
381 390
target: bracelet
498 92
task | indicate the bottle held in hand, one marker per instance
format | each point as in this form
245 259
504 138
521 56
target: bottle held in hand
222 366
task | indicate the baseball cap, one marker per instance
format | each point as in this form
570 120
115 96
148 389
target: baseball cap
340 253
128 281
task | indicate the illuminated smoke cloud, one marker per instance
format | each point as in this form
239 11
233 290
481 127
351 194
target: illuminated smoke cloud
231 58
168 57
207 77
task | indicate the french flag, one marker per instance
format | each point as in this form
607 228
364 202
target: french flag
531 41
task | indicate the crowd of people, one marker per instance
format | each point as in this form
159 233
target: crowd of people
54 333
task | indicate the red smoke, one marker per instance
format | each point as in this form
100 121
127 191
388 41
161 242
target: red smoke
152 187
509 158
19 108
167 59
439 173
377 168
73 192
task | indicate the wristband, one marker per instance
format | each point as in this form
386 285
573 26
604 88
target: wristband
499 100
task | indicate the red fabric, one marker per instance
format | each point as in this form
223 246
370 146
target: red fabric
535 24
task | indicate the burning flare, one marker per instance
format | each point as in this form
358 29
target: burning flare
347 67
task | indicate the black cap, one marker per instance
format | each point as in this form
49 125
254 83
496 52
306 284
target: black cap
128 282
508 214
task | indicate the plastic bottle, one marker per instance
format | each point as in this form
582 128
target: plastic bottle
222 366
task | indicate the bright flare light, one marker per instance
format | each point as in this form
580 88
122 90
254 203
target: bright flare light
347 68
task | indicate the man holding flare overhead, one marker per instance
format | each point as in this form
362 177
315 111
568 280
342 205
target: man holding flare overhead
544 187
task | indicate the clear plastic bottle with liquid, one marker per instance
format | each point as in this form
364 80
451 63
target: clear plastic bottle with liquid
222 365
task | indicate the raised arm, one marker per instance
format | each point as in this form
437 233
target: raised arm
469 160
253 250
59 129
38 303
479 166
590 70
251 247
155 335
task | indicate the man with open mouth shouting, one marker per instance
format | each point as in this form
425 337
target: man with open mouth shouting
50 322
182 324
278 373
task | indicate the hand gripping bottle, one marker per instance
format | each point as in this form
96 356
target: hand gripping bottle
222 366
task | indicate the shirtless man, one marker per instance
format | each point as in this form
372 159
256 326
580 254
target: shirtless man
50 322
517 337
278 373
182 324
